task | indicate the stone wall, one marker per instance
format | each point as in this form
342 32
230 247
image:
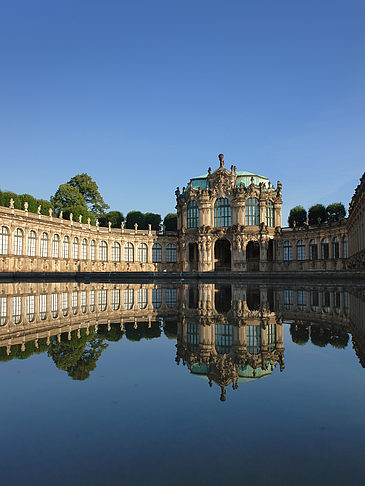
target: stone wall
356 227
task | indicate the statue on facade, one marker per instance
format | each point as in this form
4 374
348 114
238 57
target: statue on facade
80 218
11 203
26 206
39 209
221 161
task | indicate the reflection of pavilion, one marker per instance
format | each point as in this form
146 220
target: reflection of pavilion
229 334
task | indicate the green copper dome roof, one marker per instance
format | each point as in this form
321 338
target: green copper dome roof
243 177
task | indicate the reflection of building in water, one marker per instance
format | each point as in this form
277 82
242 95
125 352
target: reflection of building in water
357 322
40 312
229 334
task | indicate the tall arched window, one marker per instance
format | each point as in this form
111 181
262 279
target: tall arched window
142 298
75 248
31 243
92 250
313 250
55 246
270 219
222 213
129 252
103 251
142 253
287 251
344 247
18 242
128 298
252 212
115 252
193 215
44 245
170 253
4 241
335 248
156 253
300 250
84 249
65 247
325 249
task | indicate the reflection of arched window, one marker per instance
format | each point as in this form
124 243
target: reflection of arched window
142 253
252 212
270 220
156 298
115 300
344 247
128 298
65 246
222 213
103 251
4 241
193 215
30 308
44 245
170 253
142 298
156 253
55 246
17 309
325 251
223 338
253 339
102 300
75 248
31 243
300 250
129 252
313 250
18 242
335 248
116 251
287 251
3 310
92 250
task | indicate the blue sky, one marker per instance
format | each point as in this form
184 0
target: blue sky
144 95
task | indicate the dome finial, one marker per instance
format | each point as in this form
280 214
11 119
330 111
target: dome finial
221 160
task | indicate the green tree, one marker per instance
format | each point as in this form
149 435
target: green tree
299 334
297 214
170 222
320 336
90 191
115 217
315 212
11 195
67 196
153 219
135 217
336 211
76 212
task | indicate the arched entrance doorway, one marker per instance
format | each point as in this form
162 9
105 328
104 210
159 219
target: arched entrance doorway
253 256
193 256
222 256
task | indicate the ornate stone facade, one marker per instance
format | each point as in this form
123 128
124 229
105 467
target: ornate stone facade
356 227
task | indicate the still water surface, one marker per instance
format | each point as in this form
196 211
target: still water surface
173 385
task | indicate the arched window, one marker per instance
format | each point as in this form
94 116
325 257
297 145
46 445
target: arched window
325 249
287 251
83 300
65 247
313 250
142 298
252 212
170 253
156 253
92 250
3 310
270 219
115 300
156 298
129 252
74 298
253 336
75 248
193 215
142 253
4 241
30 308
55 246
300 250
223 338
102 300
222 213
31 243
344 247
335 248
17 309
43 306
18 242
84 249
44 245
54 306
64 304
115 252
103 251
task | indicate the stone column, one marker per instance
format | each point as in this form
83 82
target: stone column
262 211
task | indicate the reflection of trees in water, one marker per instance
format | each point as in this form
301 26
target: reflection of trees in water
170 329
77 356
319 336
142 331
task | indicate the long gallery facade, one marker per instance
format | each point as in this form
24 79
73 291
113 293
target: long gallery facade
227 220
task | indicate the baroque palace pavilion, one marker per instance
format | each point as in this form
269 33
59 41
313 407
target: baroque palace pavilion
227 220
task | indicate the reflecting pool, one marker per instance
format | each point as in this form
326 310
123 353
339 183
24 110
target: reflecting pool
178 384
